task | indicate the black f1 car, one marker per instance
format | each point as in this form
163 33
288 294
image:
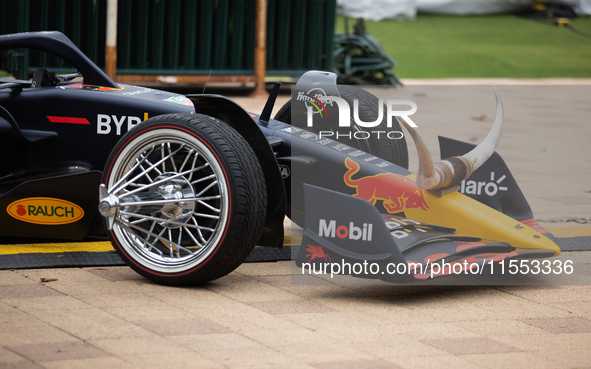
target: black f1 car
186 186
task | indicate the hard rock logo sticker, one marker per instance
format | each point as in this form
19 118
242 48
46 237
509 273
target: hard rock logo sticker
45 210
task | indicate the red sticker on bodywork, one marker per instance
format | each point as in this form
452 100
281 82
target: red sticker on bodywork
316 252
69 120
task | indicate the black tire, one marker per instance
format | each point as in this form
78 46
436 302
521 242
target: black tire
394 151
197 194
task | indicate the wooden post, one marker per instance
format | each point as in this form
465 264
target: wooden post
260 51
111 50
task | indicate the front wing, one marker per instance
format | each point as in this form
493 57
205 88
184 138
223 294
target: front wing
343 230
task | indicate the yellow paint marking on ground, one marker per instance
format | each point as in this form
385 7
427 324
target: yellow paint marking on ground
565 232
559 232
55 247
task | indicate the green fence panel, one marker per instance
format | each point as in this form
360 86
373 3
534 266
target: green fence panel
220 36
174 34
142 23
249 38
190 35
297 34
205 30
298 42
236 30
157 36
328 23
282 29
271 22
180 36
76 21
124 32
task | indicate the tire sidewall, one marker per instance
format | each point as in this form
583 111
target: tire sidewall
145 128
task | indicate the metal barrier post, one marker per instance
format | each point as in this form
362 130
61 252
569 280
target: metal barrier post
260 55
111 50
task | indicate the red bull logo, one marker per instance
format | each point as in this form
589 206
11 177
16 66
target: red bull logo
316 252
397 192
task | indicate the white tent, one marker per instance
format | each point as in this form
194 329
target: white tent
379 9
407 9
466 7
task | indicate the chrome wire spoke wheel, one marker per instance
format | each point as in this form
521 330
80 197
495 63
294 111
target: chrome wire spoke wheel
183 199
167 200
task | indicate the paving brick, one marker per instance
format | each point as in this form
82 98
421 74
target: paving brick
264 269
28 290
215 341
324 352
435 362
155 310
21 365
57 351
291 307
192 360
431 330
512 360
398 346
53 302
12 278
561 325
287 281
177 327
19 319
356 364
246 289
34 334
8 356
108 300
100 286
545 341
129 346
285 337
231 358
492 327
91 363
569 358
473 345
116 274
69 275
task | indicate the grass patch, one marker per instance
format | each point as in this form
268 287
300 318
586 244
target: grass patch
495 46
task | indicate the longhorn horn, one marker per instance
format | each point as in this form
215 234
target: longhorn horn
451 171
